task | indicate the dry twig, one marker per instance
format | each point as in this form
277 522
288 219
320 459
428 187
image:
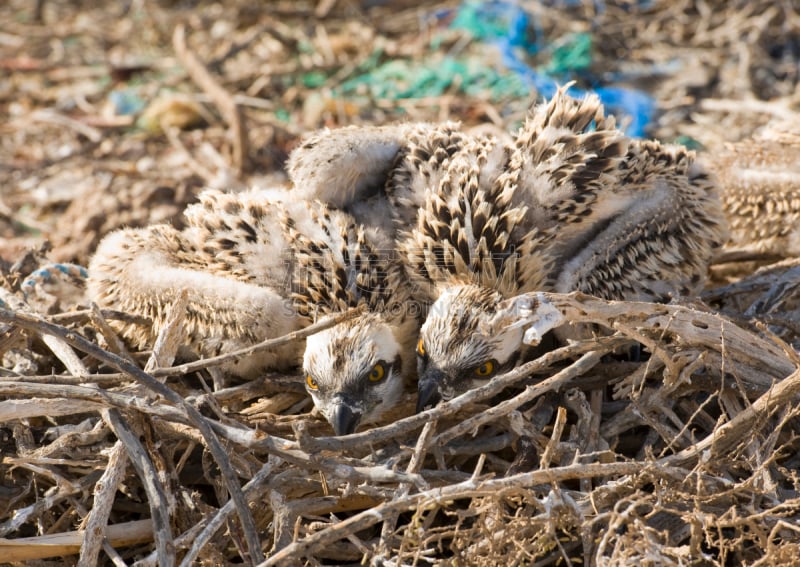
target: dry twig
231 111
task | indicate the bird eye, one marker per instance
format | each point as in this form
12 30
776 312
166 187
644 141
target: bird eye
311 383
420 347
377 373
485 369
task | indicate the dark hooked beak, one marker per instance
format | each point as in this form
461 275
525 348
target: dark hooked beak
344 419
428 393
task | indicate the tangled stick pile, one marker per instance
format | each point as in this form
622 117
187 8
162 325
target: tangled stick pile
692 455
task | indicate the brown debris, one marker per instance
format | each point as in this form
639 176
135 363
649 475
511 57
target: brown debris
227 105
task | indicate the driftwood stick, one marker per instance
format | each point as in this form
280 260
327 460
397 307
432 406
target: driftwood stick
685 324
104 491
321 325
156 495
65 354
50 499
181 542
87 398
110 379
785 286
64 544
346 470
759 281
116 558
576 401
115 344
222 515
730 434
36 407
171 335
182 369
83 315
414 465
555 438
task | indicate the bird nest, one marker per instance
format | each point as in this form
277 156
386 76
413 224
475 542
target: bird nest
671 437
684 451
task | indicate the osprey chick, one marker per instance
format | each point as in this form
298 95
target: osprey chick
260 264
571 205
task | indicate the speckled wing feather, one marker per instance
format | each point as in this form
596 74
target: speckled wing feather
463 230
658 245
564 167
760 191
237 234
421 165
621 218
347 267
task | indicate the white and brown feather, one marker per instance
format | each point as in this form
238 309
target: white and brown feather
760 189
659 242
464 231
344 165
348 268
419 165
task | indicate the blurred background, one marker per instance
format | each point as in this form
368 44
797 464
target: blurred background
119 113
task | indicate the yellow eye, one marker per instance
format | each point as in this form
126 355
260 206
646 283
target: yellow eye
485 369
377 373
420 347
311 383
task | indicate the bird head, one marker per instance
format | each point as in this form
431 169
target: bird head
460 346
354 371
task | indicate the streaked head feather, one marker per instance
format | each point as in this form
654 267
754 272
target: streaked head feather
455 343
339 361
